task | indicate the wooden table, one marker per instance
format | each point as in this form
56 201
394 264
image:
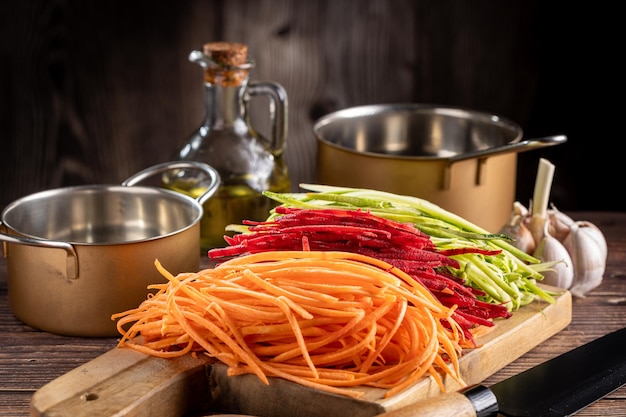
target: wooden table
30 358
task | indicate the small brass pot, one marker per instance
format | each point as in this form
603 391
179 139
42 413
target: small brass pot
77 255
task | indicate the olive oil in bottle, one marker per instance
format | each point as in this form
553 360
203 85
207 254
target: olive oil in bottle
247 162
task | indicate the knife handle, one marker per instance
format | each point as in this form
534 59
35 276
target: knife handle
474 401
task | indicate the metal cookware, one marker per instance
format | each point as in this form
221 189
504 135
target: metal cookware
76 255
462 160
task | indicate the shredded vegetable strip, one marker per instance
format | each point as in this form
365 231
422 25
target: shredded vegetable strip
513 279
328 320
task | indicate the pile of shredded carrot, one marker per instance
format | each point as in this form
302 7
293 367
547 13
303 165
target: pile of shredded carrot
333 321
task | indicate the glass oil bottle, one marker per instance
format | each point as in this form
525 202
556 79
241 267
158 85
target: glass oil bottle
248 163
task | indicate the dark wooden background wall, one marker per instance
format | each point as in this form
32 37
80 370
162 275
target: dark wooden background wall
93 91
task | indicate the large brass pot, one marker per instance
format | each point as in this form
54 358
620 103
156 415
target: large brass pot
462 160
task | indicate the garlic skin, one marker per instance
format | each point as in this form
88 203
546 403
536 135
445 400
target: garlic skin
588 249
517 229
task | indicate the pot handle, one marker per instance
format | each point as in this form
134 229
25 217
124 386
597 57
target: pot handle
71 260
524 145
168 166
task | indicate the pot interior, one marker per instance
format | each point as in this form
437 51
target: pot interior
414 130
101 214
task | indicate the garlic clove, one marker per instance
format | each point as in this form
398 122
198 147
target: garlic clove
588 249
550 250
560 223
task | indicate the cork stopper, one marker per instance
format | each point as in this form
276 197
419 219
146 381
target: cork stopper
230 59
226 53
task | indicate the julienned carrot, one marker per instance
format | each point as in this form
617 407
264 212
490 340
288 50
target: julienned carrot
334 321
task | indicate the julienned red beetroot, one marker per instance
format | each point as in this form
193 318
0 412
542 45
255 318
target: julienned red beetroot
399 244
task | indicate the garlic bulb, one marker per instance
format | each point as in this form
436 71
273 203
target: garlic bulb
573 254
588 249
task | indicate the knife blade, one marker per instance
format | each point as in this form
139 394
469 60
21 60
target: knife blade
561 386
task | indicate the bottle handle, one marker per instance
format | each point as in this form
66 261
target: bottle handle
278 110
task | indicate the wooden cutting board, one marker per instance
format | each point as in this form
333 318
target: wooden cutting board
125 383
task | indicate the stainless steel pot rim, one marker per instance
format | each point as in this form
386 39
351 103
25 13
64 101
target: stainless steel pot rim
103 190
375 109
360 112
